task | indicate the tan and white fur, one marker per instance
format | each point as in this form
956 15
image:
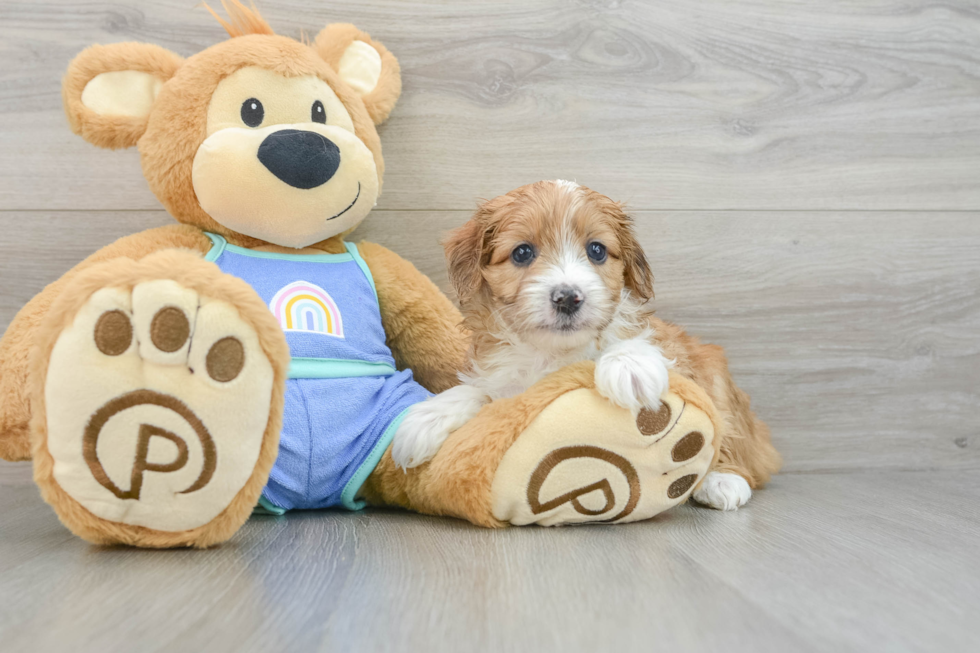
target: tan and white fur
551 274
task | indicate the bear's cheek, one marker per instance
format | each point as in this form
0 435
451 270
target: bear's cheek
290 185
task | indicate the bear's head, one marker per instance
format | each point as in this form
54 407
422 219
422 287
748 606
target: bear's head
260 138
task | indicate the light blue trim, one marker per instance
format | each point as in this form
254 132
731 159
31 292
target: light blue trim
222 245
335 368
267 507
356 253
348 496
218 244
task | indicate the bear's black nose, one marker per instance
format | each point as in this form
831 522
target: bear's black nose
300 158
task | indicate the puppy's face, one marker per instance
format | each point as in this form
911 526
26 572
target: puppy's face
549 261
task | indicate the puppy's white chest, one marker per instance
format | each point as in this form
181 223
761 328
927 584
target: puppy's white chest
519 369
509 390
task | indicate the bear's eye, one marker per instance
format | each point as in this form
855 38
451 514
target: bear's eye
252 112
596 251
522 255
319 114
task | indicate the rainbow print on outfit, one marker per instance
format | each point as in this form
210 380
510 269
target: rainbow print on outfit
304 306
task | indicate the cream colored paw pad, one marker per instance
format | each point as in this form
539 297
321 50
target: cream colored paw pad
157 402
585 460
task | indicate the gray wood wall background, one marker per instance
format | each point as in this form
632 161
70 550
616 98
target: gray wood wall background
805 176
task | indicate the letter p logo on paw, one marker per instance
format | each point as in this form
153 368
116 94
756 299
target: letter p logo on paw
596 457
583 459
146 432
157 403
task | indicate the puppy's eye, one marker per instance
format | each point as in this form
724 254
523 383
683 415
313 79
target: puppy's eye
596 252
252 112
318 113
523 254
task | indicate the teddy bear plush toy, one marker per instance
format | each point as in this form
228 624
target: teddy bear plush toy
248 357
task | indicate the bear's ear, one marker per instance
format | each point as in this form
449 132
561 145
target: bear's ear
364 64
109 89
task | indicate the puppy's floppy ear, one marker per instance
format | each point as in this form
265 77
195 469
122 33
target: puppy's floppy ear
464 252
364 64
636 270
109 90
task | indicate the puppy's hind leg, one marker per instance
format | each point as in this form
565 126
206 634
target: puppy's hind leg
747 457
723 491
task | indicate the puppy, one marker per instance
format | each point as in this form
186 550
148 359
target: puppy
551 274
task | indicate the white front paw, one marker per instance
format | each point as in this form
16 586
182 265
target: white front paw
723 491
632 374
428 424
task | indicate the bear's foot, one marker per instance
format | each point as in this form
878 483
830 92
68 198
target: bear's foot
562 454
157 389
585 460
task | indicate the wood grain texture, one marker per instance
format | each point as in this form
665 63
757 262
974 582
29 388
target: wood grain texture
710 105
831 562
804 178
855 334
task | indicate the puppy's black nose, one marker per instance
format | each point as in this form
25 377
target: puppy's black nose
300 158
567 299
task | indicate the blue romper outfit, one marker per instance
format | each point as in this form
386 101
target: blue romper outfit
344 397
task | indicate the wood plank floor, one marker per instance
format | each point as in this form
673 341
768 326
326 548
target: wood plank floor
804 177
818 562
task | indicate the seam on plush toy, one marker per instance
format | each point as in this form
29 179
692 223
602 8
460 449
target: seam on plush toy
353 486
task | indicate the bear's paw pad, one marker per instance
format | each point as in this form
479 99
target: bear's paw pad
583 460
157 402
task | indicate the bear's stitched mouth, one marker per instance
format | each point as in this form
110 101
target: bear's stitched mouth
349 206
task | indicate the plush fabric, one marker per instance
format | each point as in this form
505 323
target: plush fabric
128 93
338 419
460 480
126 274
149 383
178 125
334 43
630 470
17 342
337 423
313 297
114 130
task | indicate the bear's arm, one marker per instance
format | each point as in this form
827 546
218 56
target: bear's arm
422 325
15 347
